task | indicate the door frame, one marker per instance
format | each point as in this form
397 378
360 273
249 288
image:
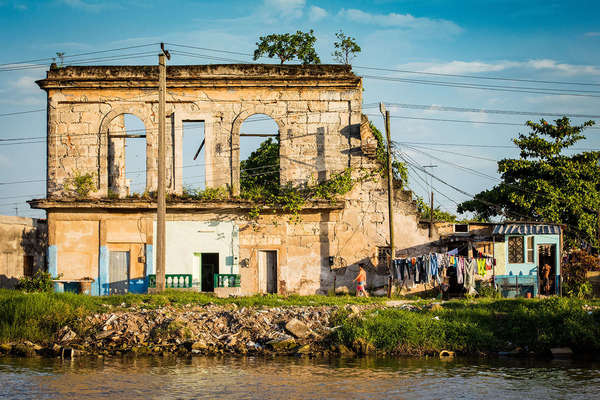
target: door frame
276 269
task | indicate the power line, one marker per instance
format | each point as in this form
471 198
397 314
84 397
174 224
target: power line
434 107
477 77
514 89
485 145
78 55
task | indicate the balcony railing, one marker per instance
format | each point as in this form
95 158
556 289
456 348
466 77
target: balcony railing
227 280
172 281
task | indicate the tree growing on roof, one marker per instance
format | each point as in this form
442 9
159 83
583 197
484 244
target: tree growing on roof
346 48
288 46
546 183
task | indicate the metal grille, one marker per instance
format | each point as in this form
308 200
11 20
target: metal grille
516 250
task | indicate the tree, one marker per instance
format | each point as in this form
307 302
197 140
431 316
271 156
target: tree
288 46
346 48
260 172
545 184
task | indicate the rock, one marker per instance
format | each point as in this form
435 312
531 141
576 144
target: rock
282 345
199 345
343 350
297 328
104 334
306 349
5 348
362 346
342 290
381 292
22 350
561 352
66 335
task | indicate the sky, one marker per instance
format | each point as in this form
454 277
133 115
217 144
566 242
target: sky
551 41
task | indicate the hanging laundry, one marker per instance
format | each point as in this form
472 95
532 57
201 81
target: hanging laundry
481 266
488 264
460 267
453 252
469 278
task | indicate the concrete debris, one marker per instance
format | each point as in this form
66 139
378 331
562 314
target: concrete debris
210 329
66 335
297 328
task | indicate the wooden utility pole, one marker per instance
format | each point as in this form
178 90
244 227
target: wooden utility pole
386 116
161 209
431 216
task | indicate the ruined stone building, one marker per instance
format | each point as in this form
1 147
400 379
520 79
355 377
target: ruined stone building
22 248
107 233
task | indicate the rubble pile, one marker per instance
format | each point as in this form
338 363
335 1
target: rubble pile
208 329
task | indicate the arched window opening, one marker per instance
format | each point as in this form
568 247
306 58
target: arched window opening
126 156
259 154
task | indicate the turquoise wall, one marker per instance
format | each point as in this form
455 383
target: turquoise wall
531 268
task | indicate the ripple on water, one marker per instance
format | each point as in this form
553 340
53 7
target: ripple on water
295 378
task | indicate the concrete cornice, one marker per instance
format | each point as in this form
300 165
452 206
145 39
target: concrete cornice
185 205
222 75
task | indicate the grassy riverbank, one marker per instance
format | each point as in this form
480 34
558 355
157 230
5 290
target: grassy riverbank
37 316
472 327
423 327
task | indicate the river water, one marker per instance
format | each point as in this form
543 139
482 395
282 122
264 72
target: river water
296 378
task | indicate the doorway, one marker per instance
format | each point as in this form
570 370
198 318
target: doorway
118 272
209 266
546 276
267 271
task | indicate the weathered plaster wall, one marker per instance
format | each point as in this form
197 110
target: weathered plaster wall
19 238
185 238
317 109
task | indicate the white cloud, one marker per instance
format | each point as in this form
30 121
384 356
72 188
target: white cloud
406 21
474 67
316 13
286 8
592 34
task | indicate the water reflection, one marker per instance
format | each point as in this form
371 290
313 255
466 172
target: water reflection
295 378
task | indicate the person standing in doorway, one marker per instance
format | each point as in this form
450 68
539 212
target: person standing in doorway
361 281
546 278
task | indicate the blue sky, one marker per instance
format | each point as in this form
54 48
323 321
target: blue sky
539 40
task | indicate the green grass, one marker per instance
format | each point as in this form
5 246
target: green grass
484 325
37 316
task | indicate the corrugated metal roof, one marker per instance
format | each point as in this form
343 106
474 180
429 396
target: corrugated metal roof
526 229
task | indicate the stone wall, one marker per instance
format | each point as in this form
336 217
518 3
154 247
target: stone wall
22 248
317 110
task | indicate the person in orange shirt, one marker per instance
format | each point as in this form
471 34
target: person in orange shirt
361 281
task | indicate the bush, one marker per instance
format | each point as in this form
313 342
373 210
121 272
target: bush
575 271
41 281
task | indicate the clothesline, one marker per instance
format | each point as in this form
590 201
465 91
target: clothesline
432 267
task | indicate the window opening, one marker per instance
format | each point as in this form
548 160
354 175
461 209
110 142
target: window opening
193 169
259 153
515 249
127 156
530 249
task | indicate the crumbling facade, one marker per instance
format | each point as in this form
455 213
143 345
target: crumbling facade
108 234
22 248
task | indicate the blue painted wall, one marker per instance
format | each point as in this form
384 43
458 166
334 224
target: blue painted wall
531 268
53 266
103 277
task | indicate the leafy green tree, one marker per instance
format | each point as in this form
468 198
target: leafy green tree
438 215
346 48
288 46
545 184
260 172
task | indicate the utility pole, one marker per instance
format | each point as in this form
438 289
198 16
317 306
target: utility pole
431 216
161 208
386 116
431 203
